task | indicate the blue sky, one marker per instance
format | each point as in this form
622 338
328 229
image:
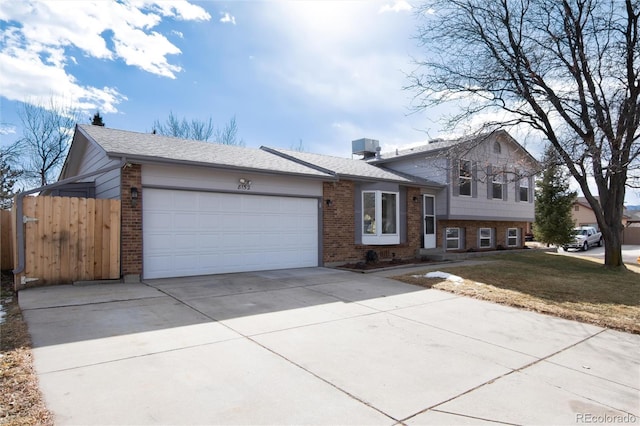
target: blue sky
320 72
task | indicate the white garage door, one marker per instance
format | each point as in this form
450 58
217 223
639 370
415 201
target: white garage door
196 233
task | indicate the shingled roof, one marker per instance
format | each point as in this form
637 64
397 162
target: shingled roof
348 168
158 148
438 146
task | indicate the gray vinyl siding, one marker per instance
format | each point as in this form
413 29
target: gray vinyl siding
107 184
480 205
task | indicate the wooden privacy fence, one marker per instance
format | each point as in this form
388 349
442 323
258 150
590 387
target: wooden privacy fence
69 239
631 236
6 240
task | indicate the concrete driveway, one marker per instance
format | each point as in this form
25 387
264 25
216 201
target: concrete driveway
319 346
630 253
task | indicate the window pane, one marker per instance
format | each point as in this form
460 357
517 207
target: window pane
452 233
497 190
389 218
524 194
429 225
465 186
465 168
452 244
368 213
428 206
464 181
513 232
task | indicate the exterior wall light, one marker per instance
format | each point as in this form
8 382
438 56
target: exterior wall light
329 202
244 181
134 196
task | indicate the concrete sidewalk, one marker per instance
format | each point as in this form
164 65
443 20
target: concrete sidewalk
319 346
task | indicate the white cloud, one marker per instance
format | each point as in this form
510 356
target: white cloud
227 18
397 6
7 129
37 34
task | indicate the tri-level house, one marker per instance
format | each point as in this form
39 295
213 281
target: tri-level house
195 208
487 196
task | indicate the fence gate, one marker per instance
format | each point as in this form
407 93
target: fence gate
69 239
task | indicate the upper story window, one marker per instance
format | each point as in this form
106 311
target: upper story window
465 176
380 217
524 189
497 182
497 149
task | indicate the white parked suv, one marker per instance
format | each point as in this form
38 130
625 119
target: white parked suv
585 237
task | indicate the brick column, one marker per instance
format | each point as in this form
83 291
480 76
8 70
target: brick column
414 221
131 225
338 222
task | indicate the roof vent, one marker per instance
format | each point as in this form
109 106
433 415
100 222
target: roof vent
365 147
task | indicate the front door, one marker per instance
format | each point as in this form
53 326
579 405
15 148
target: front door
429 221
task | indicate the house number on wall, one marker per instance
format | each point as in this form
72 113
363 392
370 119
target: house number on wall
244 186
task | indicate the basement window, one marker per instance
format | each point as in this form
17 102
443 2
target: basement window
485 237
512 237
453 238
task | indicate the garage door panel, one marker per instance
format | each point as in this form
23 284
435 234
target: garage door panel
195 233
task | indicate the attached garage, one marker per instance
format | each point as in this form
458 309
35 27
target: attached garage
196 233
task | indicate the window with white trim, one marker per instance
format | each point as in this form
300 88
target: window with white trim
512 237
453 238
465 176
498 186
485 237
380 216
524 189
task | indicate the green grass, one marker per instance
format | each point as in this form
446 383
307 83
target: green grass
563 286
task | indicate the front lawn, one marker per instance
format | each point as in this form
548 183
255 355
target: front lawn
563 286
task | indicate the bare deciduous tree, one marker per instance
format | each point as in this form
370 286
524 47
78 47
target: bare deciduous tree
199 130
46 133
228 135
568 69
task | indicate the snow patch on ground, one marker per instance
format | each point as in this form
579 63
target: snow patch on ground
443 275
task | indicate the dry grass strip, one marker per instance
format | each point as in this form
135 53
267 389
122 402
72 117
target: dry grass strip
562 286
21 402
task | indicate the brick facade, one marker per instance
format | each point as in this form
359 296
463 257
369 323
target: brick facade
471 233
131 228
338 234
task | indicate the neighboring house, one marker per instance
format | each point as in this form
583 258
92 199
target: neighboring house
488 196
583 214
195 208
633 218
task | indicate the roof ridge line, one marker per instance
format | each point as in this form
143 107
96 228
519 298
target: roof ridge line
280 154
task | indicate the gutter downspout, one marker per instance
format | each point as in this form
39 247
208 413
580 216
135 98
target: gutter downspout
19 207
